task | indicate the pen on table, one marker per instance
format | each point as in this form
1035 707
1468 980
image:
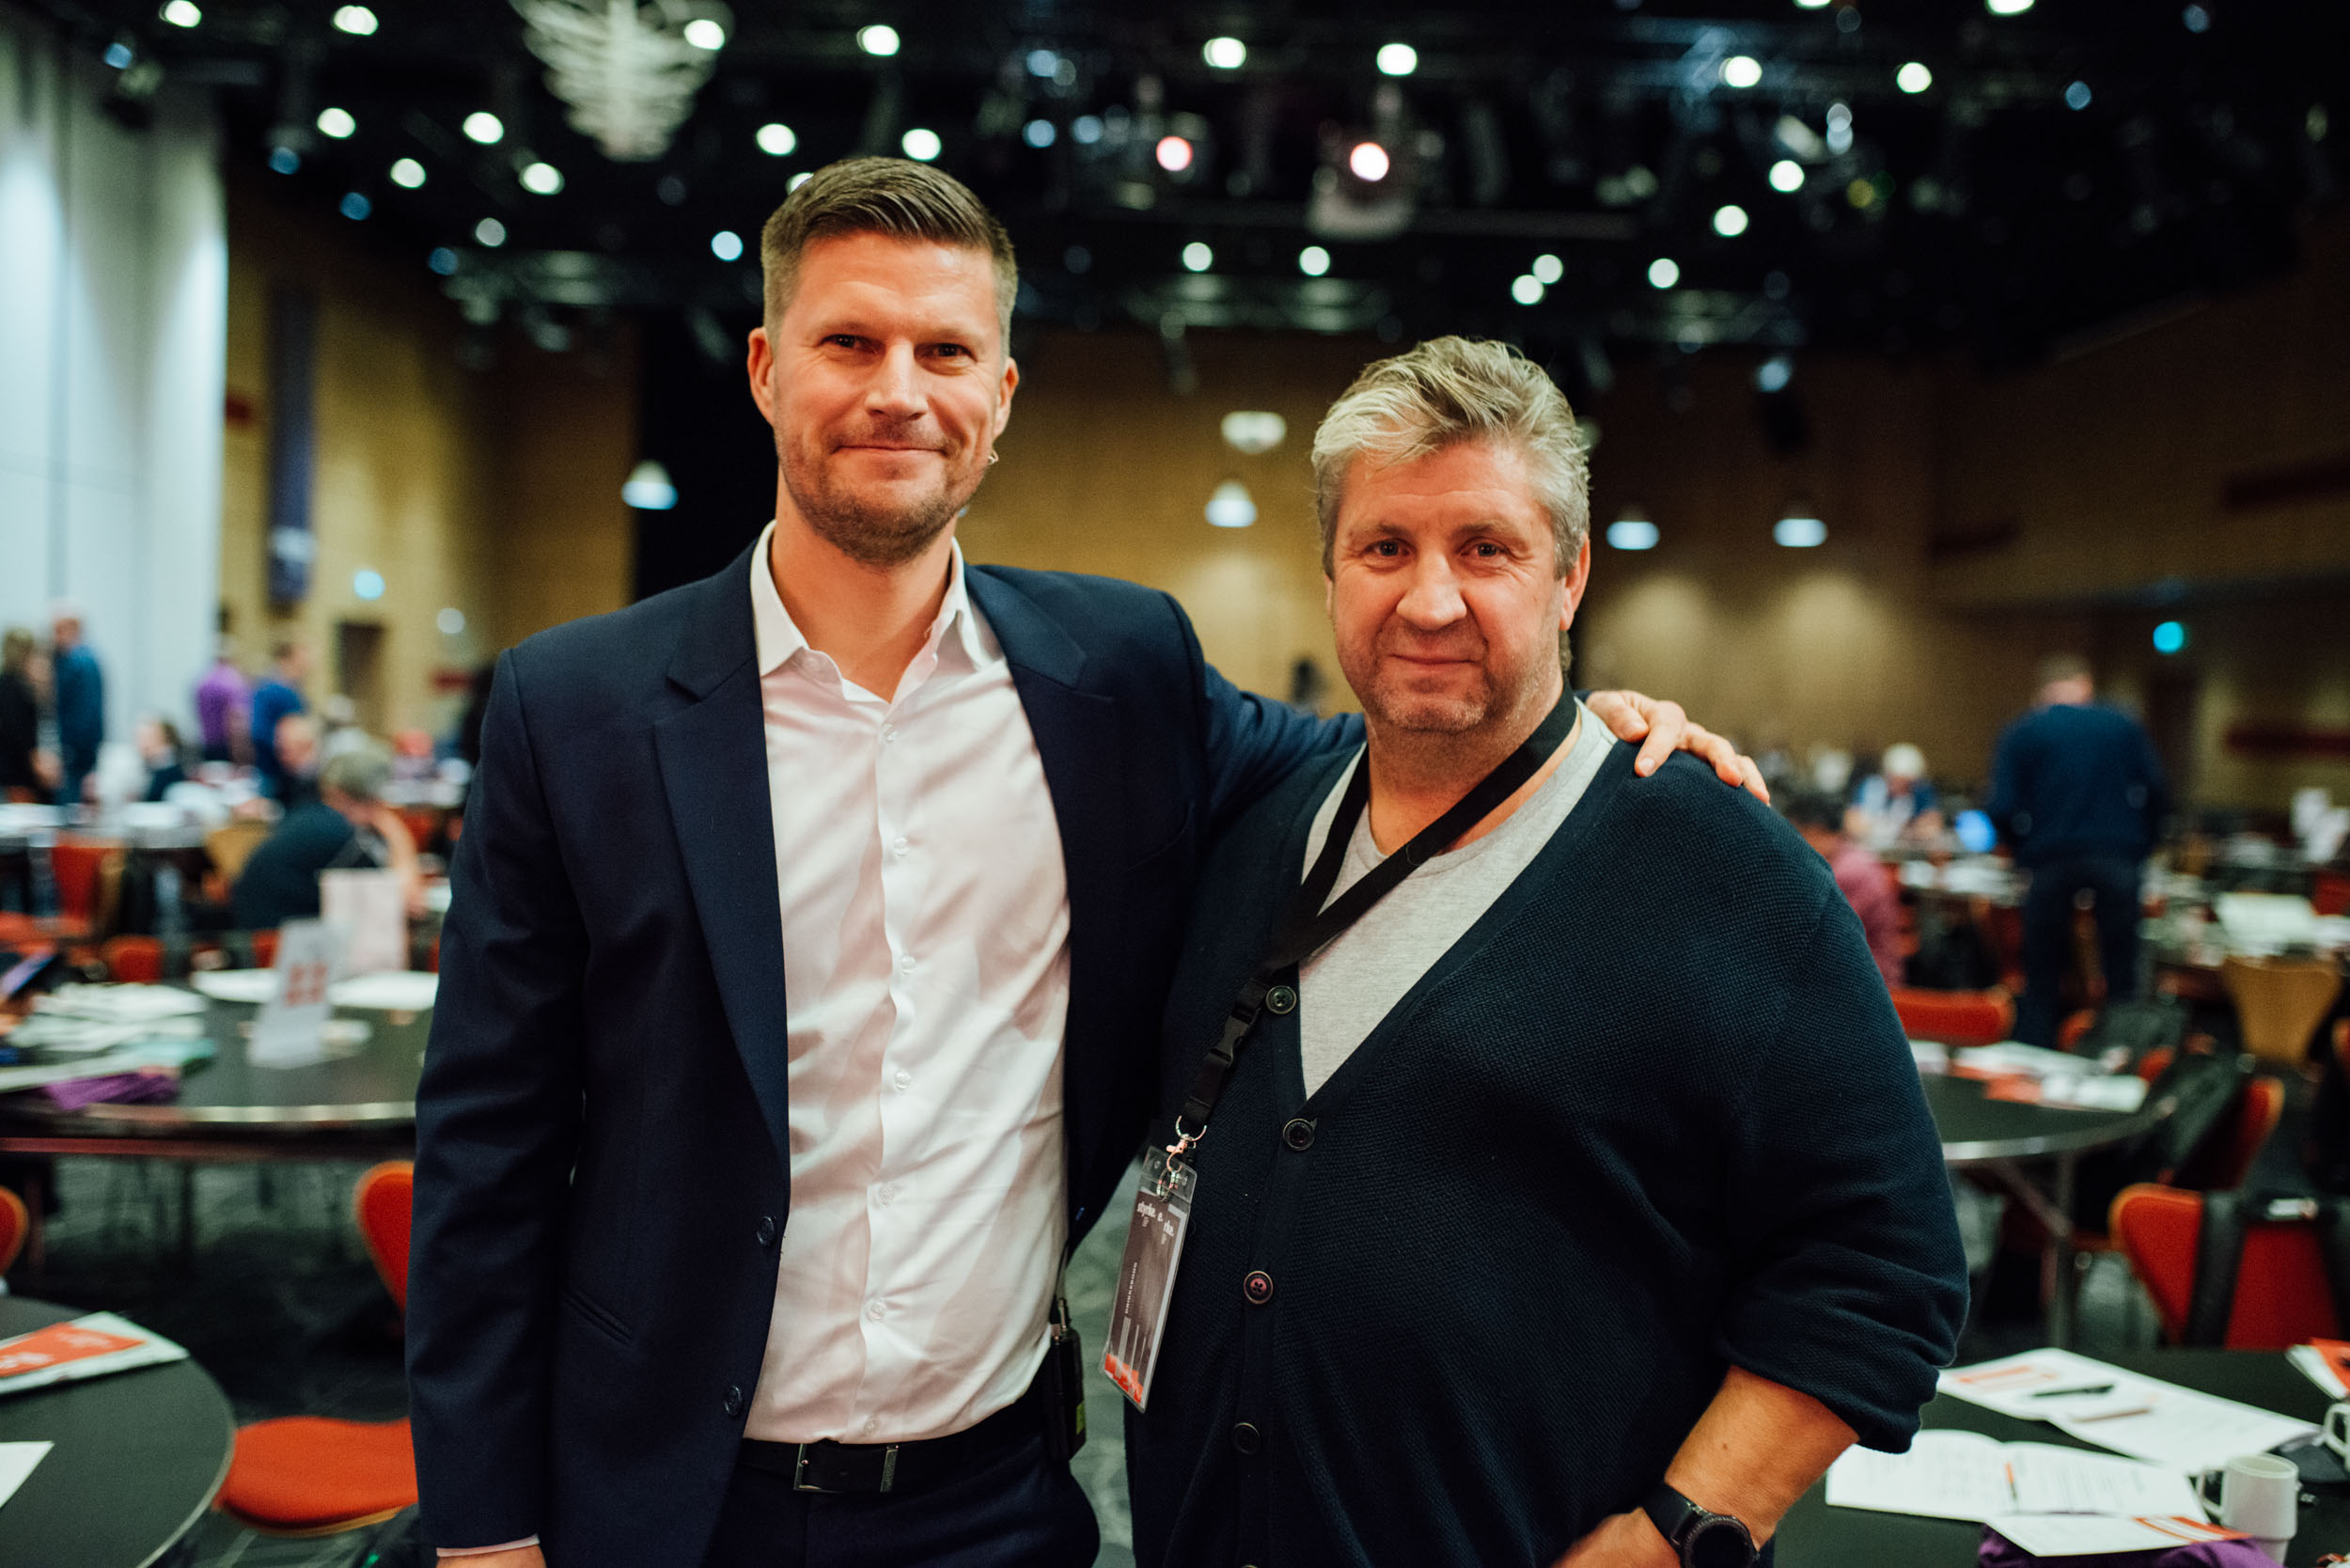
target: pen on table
2085 1388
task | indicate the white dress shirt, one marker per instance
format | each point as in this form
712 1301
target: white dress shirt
926 968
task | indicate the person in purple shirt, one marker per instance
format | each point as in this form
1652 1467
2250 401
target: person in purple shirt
1860 876
222 709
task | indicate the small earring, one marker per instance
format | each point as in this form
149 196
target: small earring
993 458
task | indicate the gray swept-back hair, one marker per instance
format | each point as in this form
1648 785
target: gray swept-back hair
1445 391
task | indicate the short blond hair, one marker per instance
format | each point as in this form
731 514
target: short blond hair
896 197
1445 391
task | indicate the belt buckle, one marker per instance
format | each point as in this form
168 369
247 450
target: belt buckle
799 1471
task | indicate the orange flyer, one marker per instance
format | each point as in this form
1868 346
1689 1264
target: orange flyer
55 1345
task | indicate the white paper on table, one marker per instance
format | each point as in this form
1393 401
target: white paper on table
394 990
371 909
1963 1475
119 1004
291 1029
2079 1534
2013 1057
2017 1385
2144 1417
2123 1091
236 985
16 1463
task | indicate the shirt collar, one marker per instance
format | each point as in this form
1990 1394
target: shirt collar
777 638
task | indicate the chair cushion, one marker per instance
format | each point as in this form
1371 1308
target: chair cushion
306 1472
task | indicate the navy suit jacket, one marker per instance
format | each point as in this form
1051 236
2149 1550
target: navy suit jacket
601 1132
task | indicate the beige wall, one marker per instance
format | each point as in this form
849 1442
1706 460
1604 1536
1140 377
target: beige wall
496 493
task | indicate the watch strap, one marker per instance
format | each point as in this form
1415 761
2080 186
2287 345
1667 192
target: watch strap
1677 1520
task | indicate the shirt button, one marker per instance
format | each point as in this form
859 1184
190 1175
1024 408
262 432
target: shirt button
889 733
872 1423
734 1399
888 1196
905 964
1258 1287
899 845
876 1311
766 1230
903 1080
1281 999
1298 1135
1247 1439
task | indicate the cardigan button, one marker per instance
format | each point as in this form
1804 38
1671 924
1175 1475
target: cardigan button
766 1230
1258 1287
1247 1439
734 1399
1281 998
1298 1134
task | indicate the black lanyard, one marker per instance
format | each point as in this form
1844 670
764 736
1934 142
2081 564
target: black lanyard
1309 927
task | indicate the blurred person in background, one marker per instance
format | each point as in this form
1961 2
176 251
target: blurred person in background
1897 804
224 708
1860 876
277 698
165 753
345 825
80 688
2079 795
27 773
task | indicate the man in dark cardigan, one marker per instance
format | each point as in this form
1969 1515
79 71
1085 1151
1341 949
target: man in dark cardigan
1576 1204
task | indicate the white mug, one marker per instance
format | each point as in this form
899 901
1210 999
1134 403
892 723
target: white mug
2260 1495
2336 1434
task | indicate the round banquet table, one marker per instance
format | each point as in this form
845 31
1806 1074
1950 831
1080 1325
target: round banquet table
139 1457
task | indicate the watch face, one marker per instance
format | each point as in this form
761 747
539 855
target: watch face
1719 1542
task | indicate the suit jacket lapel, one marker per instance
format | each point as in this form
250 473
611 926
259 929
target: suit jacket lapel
713 764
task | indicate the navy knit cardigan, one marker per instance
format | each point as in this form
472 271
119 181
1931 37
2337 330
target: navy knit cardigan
1652 1117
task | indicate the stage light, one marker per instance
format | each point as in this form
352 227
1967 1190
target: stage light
337 123
922 144
776 140
2077 96
2196 19
489 233
119 55
1313 260
1730 221
541 179
1774 373
407 174
1040 133
1174 154
450 620
2007 7
1811 5
727 246
1398 59
1664 272
284 160
647 488
483 127
1198 257
1042 64
1800 533
1787 176
1547 269
181 13
443 260
702 33
880 39
1253 431
1367 161
1913 78
2169 637
1231 506
368 583
358 21
1527 288
354 206
1839 129
1741 71
1632 533
1225 54
1087 129
799 179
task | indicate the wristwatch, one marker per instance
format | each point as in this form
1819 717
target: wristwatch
1703 1538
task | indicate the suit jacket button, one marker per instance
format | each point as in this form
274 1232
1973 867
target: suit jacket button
1298 1135
734 1399
1247 1439
766 1230
1281 998
1258 1287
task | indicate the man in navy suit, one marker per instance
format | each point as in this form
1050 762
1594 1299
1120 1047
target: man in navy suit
811 928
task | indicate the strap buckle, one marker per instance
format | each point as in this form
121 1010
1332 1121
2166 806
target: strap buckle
807 1452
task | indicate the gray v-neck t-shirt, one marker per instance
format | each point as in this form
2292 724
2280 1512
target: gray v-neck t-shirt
1347 987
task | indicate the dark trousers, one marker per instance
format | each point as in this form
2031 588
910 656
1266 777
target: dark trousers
2048 937
1018 1509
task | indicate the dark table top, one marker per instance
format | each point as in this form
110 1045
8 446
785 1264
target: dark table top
139 1457
1814 1535
1974 1129
371 1089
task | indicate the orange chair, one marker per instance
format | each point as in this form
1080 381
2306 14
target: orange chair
1955 1018
2281 1295
2329 892
2226 1158
16 1222
133 958
305 1475
80 867
264 949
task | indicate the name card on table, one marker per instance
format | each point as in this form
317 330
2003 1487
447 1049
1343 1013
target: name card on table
373 912
291 1029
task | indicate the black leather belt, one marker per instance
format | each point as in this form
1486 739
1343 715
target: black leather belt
829 1466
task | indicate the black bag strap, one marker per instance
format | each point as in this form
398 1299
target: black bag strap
2218 1257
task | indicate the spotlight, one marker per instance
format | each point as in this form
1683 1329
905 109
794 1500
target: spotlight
727 246
1313 260
776 140
1042 63
1730 221
1741 71
450 620
443 260
1527 288
407 174
1664 272
541 179
647 488
1800 533
1225 54
1198 257
880 39
1040 133
1787 176
2007 7
2077 96
799 179
337 123
358 21
1774 373
1913 78
1087 129
483 127
1547 269
1368 162
368 583
181 13
2196 19
354 206
1231 506
1632 533
1174 154
1398 59
489 233
702 33
1811 5
2169 637
922 144
119 55
284 160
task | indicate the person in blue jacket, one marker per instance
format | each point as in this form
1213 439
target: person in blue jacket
81 704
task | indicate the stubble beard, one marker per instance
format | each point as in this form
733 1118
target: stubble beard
870 534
